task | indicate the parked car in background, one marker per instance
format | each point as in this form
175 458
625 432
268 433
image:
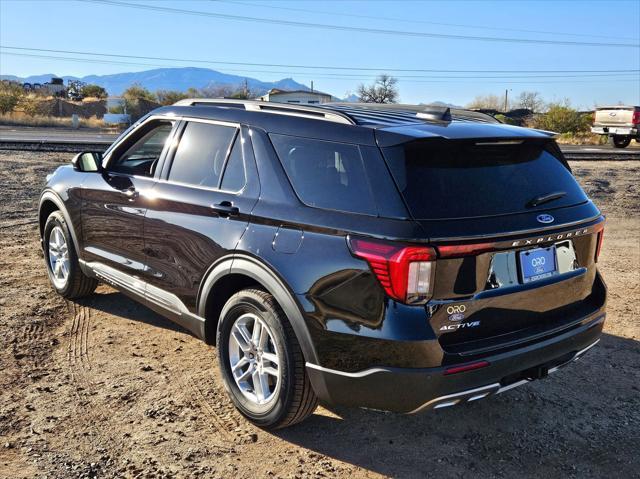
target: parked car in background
392 257
620 123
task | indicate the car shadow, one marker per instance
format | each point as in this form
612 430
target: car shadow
582 421
584 418
119 304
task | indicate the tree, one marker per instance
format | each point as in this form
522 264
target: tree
531 100
383 90
93 91
169 97
243 93
487 102
138 101
137 92
10 95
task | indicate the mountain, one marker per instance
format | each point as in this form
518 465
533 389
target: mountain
171 79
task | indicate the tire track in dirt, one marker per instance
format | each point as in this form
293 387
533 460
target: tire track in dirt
218 418
93 411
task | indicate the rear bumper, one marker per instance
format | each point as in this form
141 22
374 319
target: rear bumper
412 390
615 130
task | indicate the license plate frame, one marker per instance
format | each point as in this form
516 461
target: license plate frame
537 264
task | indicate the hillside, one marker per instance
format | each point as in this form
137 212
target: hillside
170 79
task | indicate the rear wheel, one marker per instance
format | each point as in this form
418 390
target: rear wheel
261 361
62 260
620 141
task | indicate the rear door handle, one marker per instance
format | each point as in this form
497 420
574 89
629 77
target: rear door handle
225 209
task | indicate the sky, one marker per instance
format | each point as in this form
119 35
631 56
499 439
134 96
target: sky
356 41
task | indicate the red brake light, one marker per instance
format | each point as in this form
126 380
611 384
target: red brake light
635 118
403 271
466 367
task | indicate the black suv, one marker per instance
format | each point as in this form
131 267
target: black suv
391 257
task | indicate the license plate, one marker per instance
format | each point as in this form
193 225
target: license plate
538 264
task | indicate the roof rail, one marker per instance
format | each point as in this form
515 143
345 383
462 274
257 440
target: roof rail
270 107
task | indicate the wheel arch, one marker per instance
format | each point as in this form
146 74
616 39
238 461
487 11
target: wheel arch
50 202
237 272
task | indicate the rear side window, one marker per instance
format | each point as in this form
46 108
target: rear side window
201 154
325 174
459 179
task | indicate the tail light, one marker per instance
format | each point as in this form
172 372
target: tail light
405 272
635 118
460 250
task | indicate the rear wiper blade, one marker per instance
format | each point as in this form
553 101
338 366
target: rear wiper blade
539 200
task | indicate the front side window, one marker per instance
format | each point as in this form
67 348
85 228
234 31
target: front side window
325 174
201 154
142 157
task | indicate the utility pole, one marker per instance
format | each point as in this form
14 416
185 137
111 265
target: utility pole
311 86
506 100
246 89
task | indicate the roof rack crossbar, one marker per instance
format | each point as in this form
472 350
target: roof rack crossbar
269 107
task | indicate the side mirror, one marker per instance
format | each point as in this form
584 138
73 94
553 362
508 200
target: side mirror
87 161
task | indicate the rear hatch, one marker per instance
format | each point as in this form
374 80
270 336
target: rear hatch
516 237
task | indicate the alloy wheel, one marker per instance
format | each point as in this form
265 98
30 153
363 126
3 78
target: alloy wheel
58 257
254 360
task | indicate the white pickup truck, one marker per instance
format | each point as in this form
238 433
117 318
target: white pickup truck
620 123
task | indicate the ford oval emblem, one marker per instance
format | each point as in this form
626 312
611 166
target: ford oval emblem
546 219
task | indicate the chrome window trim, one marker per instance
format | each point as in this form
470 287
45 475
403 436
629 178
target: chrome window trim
108 157
238 133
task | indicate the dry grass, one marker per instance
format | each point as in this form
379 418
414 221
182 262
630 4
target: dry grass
581 139
20 119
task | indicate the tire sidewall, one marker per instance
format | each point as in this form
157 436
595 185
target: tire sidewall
272 412
57 219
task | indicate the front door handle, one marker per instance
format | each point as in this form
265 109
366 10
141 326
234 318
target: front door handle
225 209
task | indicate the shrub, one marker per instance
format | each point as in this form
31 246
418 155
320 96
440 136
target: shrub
10 95
562 119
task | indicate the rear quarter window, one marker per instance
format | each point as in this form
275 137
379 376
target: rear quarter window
325 174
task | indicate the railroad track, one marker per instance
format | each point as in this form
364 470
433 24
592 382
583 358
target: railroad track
76 146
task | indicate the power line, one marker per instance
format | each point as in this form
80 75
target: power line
531 80
424 22
324 26
316 67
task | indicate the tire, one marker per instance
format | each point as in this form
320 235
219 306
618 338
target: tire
57 244
288 397
620 141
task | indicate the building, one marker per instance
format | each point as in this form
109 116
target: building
299 97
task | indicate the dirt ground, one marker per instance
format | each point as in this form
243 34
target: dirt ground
106 388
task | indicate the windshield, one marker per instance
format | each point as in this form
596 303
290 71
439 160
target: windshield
459 179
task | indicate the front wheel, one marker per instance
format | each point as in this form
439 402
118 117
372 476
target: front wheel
261 361
62 260
620 141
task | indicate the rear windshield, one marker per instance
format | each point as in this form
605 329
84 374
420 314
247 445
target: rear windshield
458 179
